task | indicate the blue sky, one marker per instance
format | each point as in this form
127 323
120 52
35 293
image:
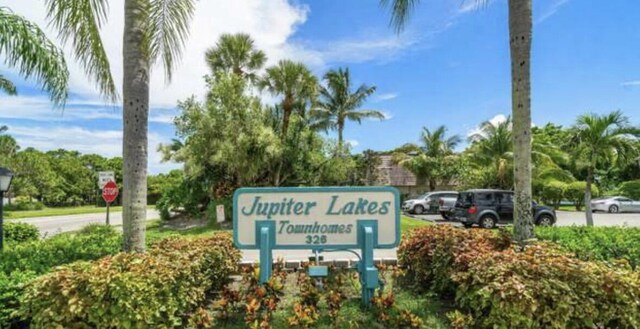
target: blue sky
450 66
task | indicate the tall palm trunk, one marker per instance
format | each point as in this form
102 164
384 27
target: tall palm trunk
587 197
520 30
135 116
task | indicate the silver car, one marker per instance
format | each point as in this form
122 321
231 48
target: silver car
615 204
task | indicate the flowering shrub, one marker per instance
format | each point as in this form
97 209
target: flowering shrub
155 289
541 287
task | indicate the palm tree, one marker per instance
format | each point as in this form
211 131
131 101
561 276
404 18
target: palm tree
492 146
295 83
235 53
26 48
520 32
435 155
603 140
338 103
153 30
435 144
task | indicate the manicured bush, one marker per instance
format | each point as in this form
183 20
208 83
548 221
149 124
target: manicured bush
17 232
497 286
24 205
544 288
157 289
20 263
631 189
596 243
432 254
11 287
574 192
553 192
40 256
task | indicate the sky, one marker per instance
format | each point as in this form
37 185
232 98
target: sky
450 66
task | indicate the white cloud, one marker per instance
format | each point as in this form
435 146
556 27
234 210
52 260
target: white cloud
496 120
384 97
352 142
38 108
551 10
270 22
471 5
107 143
631 83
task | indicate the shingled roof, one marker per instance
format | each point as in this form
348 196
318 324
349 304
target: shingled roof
390 173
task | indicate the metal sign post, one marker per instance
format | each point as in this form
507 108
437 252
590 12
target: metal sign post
319 219
109 194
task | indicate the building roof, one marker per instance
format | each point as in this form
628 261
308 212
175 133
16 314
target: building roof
390 173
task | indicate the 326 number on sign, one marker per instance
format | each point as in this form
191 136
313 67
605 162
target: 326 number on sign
316 239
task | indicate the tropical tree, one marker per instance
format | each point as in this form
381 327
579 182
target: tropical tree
26 48
338 103
235 53
603 140
491 147
154 30
435 160
520 32
295 83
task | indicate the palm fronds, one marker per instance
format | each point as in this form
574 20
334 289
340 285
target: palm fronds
25 47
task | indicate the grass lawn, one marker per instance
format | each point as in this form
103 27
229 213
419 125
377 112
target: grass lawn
408 223
46 212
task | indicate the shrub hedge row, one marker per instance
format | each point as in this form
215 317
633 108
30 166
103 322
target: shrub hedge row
611 244
19 263
157 289
17 232
499 287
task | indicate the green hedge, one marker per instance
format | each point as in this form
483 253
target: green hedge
157 289
631 189
596 243
21 262
496 286
17 232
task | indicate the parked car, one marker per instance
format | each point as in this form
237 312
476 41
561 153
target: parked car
427 203
487 208
447 205
615 204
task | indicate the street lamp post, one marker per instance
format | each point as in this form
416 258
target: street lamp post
5 182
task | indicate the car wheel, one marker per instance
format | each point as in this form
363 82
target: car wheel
488 221
418 210
444 215
545 220
613 209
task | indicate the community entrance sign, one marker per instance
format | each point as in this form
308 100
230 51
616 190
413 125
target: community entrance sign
320 219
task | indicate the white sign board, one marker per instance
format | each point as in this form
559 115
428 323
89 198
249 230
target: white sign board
220 213
306 218
104 177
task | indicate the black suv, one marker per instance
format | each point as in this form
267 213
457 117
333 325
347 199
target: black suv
490 207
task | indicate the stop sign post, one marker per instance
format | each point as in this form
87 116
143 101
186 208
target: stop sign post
109 194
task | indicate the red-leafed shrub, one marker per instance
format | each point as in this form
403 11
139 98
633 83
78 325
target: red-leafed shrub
157 289
430 255
499 286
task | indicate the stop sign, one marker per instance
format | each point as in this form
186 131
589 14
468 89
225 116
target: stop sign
110 192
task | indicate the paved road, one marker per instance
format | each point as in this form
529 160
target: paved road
568 218
57 224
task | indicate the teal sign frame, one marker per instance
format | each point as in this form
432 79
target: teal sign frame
366 231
